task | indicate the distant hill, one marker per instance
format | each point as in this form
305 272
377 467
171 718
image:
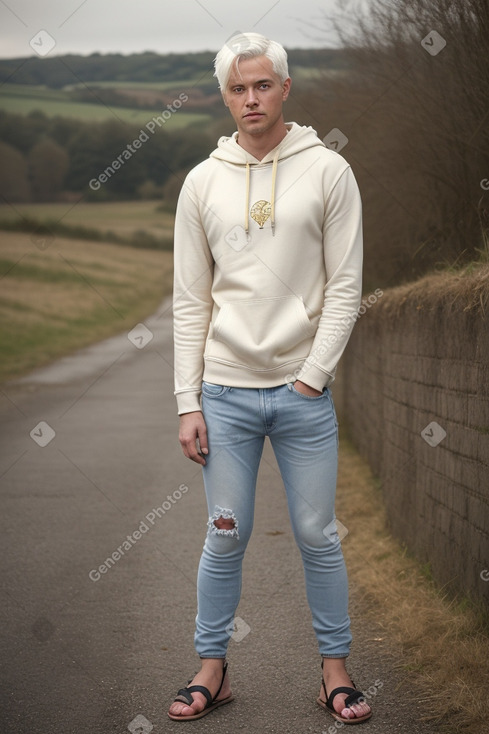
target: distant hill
58 72
64 119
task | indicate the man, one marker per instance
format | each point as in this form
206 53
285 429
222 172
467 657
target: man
268 254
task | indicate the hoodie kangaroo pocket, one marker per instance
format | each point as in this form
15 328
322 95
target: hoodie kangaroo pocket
261 333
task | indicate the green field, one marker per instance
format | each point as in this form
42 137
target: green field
124 218
182 86
23 98
65 296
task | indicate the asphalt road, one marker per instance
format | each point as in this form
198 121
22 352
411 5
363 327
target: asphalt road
90 470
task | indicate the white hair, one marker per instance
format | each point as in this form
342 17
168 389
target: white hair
247 46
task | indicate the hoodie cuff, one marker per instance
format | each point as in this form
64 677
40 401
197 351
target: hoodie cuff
315 377
188 402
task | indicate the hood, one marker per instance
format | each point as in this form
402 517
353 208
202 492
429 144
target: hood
298 138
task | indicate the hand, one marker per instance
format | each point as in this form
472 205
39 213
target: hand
193 436
306 389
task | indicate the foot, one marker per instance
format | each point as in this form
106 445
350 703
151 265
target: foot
335 676
209 676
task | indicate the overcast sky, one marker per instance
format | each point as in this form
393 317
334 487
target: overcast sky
128 26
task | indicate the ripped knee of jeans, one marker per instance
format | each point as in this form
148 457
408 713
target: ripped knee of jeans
223 522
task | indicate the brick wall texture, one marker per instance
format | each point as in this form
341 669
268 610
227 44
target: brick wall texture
414 393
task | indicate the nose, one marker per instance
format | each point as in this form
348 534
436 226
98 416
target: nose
251 99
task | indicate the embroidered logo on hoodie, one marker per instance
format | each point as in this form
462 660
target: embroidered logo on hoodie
260 212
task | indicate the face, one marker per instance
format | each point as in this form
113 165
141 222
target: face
255 95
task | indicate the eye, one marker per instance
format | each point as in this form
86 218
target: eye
264 86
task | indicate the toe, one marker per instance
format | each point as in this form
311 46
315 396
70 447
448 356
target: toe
181 709
360 709
176 709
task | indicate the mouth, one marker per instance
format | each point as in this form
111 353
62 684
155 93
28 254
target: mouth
251 115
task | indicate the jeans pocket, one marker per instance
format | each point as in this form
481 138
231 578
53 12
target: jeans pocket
307 397
335 417
333 409
210 390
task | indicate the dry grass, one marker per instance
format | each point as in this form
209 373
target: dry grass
123 218
443 643
72 294
463 290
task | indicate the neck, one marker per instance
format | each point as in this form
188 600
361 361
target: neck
262 143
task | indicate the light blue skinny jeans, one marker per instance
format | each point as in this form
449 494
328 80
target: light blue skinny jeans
303 432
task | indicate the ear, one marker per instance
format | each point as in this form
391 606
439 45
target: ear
223 94
286 88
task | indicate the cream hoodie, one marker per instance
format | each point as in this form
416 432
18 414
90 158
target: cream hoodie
268 258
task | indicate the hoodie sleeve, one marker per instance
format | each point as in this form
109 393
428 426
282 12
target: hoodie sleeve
192 301
343 255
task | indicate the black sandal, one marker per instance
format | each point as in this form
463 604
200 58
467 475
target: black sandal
184 695
353 697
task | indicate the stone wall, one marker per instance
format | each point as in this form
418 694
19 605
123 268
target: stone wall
414 393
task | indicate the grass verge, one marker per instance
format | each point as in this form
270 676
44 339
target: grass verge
71 294
135 223
55 103
443 643
47 229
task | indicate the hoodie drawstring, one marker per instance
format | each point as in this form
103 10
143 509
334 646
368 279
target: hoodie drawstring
247 200
272 194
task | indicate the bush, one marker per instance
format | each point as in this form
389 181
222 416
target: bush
415 114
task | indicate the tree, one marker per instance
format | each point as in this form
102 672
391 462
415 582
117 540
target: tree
14 180
48 164
414 107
